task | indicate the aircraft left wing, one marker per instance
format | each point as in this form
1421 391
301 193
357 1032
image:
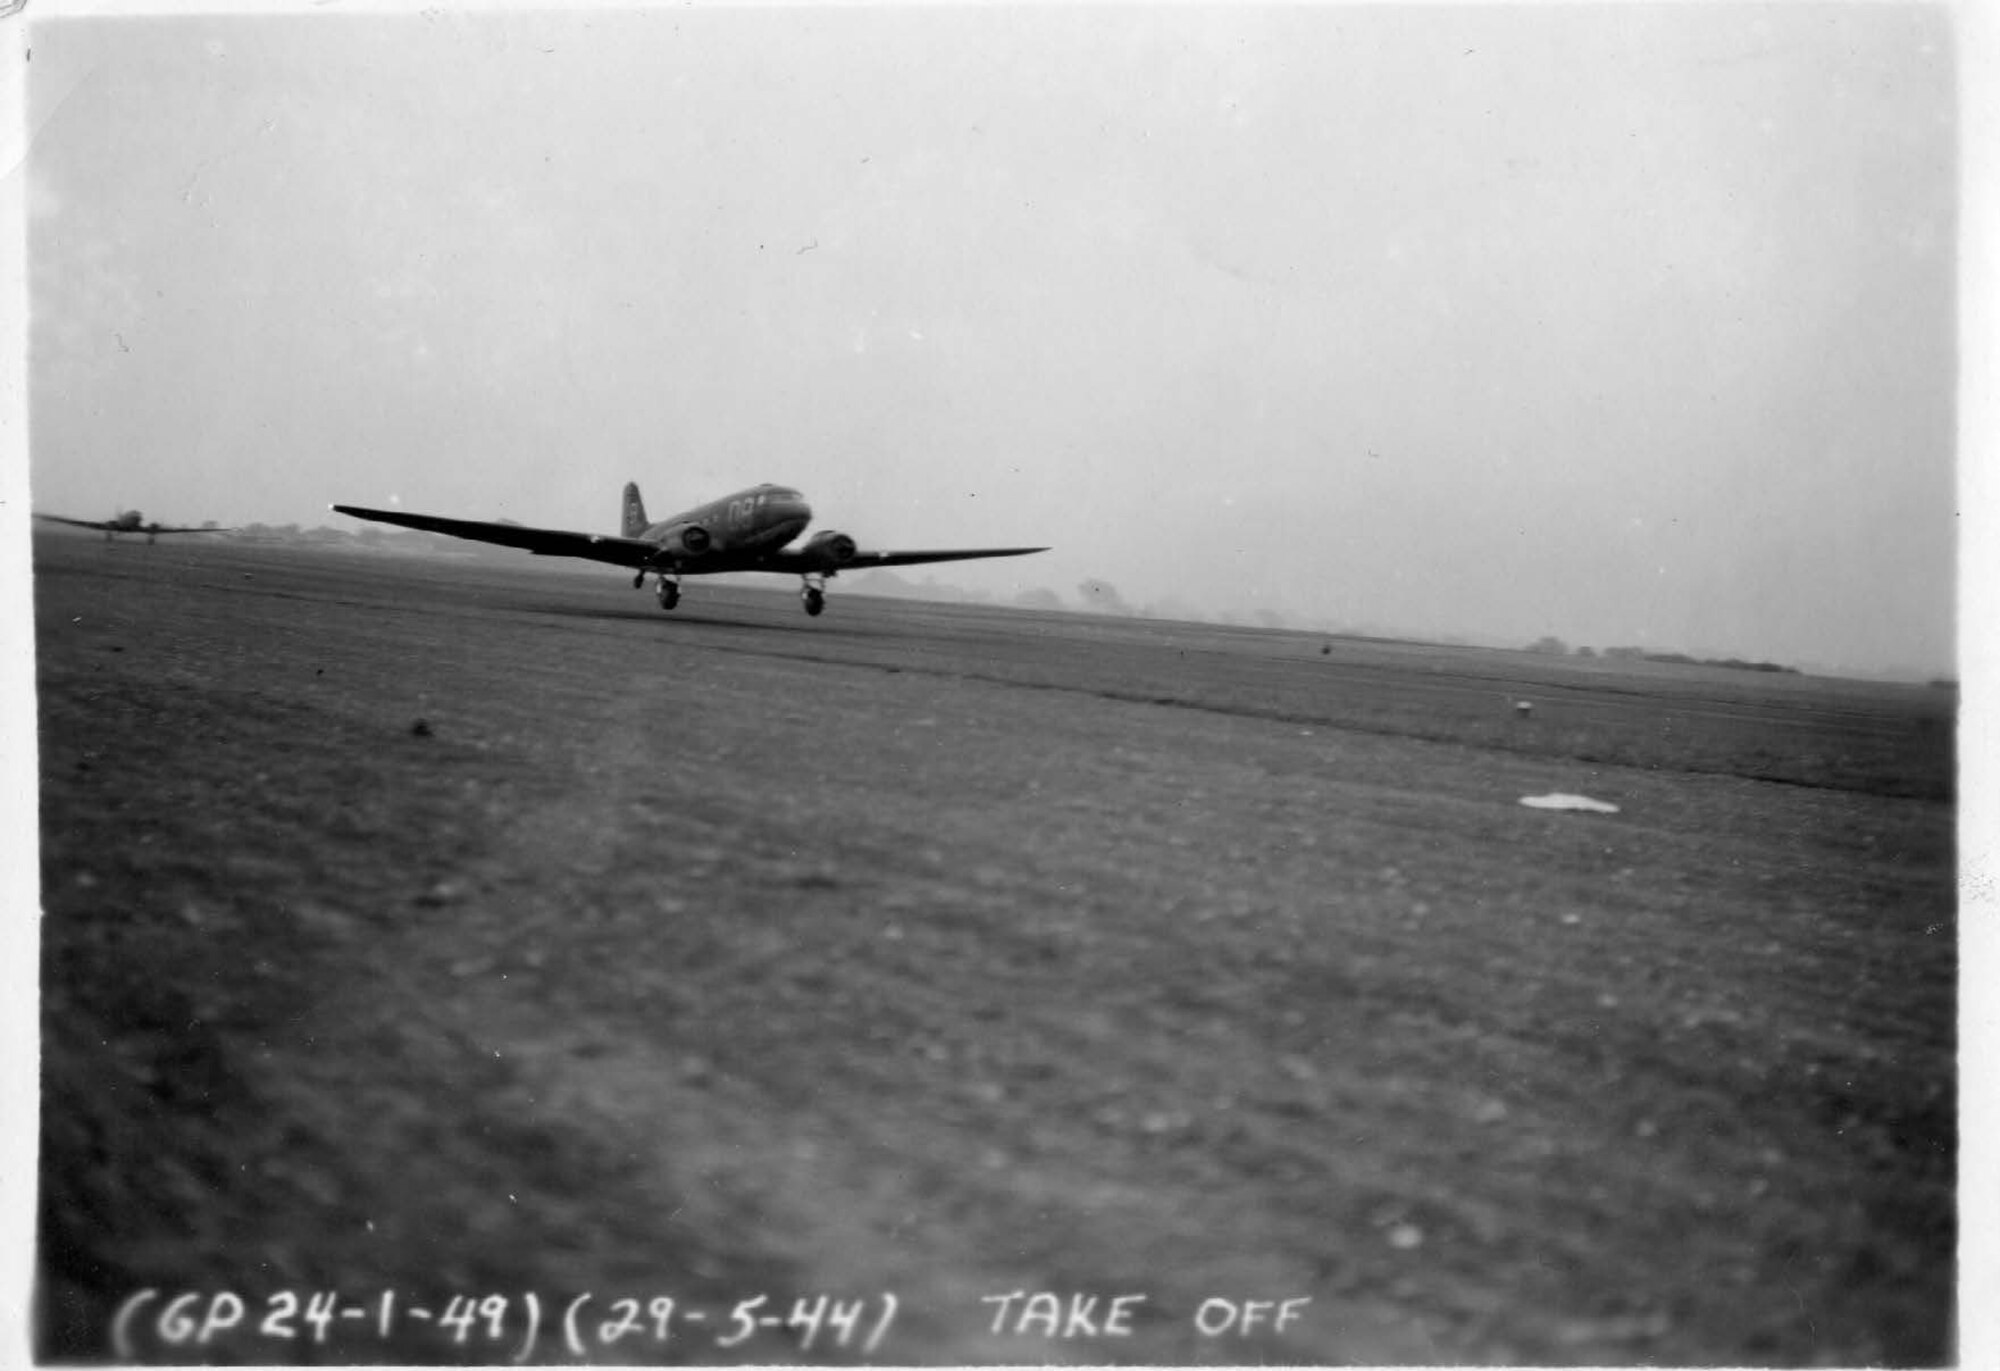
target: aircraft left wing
546 542
78 523
787 561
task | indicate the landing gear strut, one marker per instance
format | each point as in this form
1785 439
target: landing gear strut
813 592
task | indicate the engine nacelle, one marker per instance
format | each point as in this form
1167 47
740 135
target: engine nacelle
690 540
830 549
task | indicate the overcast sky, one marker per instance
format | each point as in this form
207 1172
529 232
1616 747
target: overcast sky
1628 324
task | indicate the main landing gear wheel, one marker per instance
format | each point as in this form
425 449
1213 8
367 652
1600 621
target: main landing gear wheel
670 593
812 589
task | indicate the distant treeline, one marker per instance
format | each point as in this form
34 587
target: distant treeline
292 533
369 535
1734 663
1558 648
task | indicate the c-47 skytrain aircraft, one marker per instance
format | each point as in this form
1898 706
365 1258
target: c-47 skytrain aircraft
128 522
746 531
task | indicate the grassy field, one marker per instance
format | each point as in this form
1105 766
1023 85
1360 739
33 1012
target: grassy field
444 928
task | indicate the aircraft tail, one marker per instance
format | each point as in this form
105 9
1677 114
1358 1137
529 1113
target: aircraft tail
633 520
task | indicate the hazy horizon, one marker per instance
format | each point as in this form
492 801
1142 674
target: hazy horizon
1622 324
1094 597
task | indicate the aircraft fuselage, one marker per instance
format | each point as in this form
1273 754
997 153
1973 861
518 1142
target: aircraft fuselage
744 528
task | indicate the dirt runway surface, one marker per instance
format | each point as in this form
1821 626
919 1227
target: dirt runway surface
472 938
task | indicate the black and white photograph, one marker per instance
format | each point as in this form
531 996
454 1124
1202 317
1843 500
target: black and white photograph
1004 683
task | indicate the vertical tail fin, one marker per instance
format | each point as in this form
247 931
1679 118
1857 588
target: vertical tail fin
633 520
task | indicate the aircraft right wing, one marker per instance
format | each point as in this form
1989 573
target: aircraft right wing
80 523
545 542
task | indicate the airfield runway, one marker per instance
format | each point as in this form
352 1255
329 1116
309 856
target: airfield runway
470 939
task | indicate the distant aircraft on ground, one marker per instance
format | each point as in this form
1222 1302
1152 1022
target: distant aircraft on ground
746 531
128 522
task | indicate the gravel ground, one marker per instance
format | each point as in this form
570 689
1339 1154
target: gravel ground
434 930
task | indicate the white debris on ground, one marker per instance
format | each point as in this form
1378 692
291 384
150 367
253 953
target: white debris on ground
1558 800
